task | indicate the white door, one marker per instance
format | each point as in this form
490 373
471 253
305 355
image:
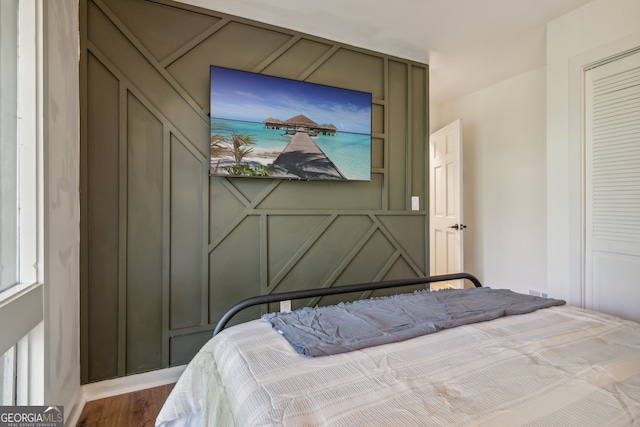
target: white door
612 187
445 203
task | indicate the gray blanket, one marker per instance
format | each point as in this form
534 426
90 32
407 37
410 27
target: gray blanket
365 323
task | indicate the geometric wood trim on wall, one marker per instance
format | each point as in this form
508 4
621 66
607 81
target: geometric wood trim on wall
166 249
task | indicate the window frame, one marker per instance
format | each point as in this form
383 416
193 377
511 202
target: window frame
22 306
9 26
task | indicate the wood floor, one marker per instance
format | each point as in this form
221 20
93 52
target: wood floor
139 408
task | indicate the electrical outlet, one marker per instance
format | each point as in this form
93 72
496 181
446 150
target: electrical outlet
415 203
285 306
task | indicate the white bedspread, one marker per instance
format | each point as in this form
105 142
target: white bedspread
557 366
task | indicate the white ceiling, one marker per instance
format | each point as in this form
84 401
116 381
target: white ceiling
469 44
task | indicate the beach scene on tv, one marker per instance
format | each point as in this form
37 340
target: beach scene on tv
271 127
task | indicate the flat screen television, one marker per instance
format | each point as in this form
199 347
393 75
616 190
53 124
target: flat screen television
273 127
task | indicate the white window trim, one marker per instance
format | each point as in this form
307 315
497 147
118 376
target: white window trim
22 310
30 124
22 306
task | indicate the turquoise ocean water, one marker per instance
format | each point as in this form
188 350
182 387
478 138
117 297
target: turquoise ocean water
350 152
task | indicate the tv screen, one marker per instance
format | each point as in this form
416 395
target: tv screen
272 127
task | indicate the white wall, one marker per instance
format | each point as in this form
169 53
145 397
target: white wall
598 30
522 198
504 180
61 140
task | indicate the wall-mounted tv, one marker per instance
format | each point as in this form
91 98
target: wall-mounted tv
272 127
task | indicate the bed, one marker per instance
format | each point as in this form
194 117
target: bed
553 365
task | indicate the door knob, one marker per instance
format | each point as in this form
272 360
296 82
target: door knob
458 226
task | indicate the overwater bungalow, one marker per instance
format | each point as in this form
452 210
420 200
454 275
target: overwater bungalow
327 129
272 123
300 123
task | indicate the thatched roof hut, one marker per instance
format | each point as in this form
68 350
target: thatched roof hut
327 129
301 120
272 123
300 123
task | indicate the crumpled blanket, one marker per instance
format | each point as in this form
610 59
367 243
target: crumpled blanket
365 323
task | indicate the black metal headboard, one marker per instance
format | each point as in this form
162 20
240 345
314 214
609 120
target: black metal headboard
319 292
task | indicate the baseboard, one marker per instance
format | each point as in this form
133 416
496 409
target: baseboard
130 383
73 411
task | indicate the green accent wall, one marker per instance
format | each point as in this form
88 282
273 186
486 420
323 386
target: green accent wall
166 249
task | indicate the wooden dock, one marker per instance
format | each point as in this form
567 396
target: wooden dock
303 159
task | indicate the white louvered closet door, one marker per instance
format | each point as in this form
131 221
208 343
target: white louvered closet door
612 190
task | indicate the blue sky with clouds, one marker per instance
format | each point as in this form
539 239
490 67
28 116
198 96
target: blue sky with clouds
254 97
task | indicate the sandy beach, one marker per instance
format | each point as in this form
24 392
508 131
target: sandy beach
258 157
